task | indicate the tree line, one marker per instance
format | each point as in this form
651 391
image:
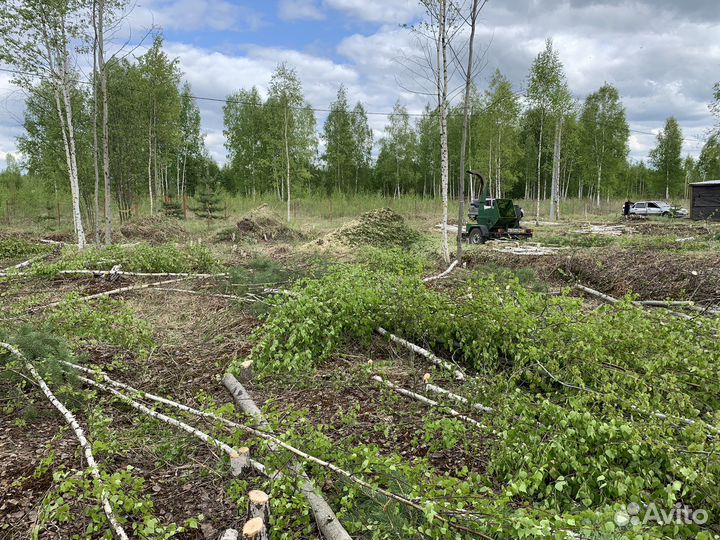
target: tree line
540 144
129 135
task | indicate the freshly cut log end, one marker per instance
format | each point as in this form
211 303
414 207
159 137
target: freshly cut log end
254 529
259 505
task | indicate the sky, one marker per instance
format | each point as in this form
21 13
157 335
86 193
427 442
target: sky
662 55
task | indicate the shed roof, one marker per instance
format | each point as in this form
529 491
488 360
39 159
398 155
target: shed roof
707 183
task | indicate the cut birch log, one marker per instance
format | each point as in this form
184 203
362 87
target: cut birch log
102 273
426 401
79 433
258 505
325 519
612 300
254 529
275 443
113 292
460 399
240 460
442 274
459 375
230 534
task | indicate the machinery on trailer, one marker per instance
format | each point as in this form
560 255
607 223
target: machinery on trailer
491 218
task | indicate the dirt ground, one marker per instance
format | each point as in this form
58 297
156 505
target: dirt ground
199 337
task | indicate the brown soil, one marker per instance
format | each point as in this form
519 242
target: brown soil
652 274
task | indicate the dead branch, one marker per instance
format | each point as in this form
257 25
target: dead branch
102 273
113 292
459 375
271 438
426 401
326 520
443 274
79 433
238 461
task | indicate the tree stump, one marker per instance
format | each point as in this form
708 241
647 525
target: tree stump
258 505
255 529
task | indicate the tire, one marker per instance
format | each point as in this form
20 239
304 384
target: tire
476 237
665 214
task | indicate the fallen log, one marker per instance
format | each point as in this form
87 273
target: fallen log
443 274
426 401
238 461
113 292
79 433
101 273
326 520
459 375
27 263
460 399
417 505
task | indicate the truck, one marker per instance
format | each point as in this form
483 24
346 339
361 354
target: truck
493 218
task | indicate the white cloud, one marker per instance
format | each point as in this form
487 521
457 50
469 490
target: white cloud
190 15
300 9
381 11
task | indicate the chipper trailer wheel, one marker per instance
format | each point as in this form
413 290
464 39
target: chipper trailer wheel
476 237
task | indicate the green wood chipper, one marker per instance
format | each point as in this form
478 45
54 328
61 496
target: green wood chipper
491 218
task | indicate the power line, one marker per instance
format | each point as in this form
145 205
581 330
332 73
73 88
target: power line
697 140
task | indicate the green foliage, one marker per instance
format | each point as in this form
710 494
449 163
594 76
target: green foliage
77 494
306 327
14 248
572 436
139 258
105 321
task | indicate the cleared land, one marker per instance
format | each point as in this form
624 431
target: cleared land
573 408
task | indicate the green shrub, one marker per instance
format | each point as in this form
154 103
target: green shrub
14 248
104 321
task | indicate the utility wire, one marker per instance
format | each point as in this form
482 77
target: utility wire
317 109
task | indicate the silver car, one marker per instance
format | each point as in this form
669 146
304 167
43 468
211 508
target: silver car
657 208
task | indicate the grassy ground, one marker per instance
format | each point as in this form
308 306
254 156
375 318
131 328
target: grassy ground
179 345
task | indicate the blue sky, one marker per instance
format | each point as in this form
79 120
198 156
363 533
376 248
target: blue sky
663 55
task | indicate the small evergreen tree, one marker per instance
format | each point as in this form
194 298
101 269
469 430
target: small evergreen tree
209 198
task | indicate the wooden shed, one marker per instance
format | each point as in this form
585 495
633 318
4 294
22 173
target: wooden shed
705 200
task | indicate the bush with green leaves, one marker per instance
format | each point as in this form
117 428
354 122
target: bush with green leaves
576 393
103 321
15 248
139 258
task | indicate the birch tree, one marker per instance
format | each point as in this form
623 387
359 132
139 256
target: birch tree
38 37
604 134
666 157
548 94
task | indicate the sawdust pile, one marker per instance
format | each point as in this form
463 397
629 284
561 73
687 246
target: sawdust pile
154 229
260 225
381 228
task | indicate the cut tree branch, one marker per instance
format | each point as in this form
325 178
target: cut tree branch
79 433
459 375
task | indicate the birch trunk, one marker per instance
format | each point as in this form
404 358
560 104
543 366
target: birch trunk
94 130
105 120
444 157
555 184
80 434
